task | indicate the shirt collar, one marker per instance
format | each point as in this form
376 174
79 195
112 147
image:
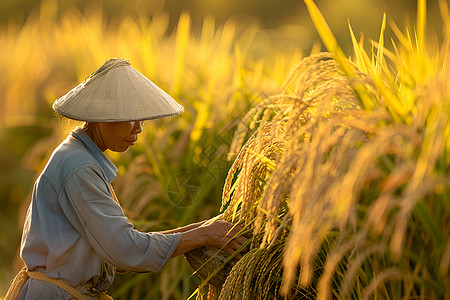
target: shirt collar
108 167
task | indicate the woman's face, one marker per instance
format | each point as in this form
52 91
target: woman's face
118 136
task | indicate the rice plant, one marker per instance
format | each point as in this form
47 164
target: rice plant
344 176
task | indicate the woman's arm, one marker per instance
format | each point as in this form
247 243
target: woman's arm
183 229
191 226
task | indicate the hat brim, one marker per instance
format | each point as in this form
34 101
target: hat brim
118 95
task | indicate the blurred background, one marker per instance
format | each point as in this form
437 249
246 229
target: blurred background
217 58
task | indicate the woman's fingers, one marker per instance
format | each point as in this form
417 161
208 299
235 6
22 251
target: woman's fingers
231 249
233 243
227 236
234 235
233 230
240 239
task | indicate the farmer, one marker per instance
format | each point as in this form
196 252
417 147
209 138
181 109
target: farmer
76 235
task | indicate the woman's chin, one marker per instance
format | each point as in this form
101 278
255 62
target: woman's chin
121 149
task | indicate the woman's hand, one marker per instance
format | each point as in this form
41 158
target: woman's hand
224 235
219 234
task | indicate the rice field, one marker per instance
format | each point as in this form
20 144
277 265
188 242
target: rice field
336 163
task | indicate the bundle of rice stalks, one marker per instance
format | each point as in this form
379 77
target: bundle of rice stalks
292 157
345 179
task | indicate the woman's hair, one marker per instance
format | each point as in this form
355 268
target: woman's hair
67 125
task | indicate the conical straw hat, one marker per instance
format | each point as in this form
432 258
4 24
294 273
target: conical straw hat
116 92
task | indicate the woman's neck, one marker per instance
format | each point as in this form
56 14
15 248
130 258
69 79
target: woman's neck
92 129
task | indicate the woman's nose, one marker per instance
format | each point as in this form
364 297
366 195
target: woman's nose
137 128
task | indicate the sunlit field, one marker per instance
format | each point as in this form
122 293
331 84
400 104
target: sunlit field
336 163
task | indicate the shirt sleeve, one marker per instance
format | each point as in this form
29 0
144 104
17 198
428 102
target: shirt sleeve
109 232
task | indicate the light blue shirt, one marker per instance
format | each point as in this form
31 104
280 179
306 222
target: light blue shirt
74 230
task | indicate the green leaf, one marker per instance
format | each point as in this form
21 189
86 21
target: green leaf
429 226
